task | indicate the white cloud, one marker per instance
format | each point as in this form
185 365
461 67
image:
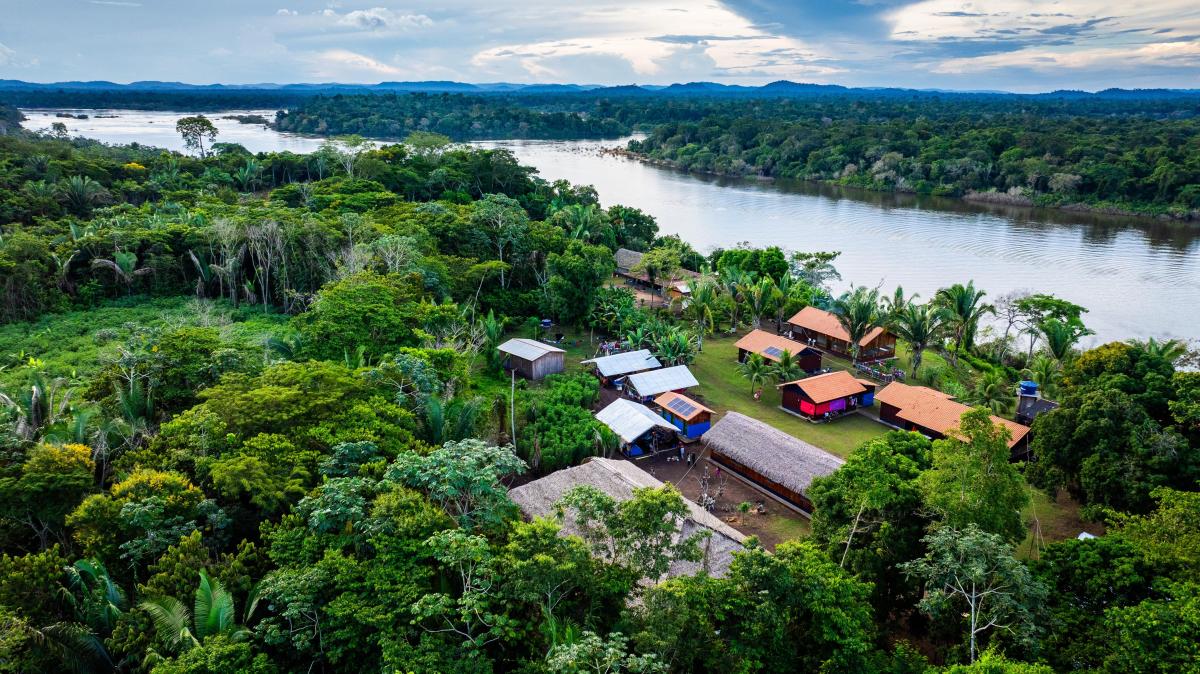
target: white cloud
347 65
1166 54
8 57
380 18
287 12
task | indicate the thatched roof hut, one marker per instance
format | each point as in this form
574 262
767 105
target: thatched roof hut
618 479
781 464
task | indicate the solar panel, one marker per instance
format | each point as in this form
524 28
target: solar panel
773 351
682 407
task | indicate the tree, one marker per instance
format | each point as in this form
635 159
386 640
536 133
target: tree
180 630
591 654
52 481
81 194
972 482
816 269
366 309
1156 635
977 569
921 326
964 309
503 224
346 151
787 368
1061 337
124 268
661 265
699 308
476 614
858 312
1046 372
574 277
641 535
756 370
993 392
464 478
194 131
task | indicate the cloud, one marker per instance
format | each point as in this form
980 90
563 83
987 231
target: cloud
380 18
343 63
287 12
8 57
1183 55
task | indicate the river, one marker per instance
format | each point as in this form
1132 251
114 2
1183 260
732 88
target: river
1138 277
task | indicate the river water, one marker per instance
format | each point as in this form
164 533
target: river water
1138 277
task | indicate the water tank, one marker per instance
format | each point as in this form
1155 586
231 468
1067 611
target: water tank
1029 388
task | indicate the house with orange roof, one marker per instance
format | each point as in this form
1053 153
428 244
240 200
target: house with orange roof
936 414
829 394
821 329
771 346
689 416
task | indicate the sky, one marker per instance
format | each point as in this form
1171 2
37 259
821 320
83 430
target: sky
1012 45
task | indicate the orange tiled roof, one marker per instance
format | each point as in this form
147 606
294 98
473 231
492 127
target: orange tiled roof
825 323
758 341
829 386
667 398
937 411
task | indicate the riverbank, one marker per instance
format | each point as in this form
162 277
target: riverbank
1147 212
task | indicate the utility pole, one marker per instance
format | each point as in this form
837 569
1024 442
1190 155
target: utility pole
512 409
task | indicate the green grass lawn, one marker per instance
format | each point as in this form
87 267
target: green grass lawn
723 388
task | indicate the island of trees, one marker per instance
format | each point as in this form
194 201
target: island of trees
254 419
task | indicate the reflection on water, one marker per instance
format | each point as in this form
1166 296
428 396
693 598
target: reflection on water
1139 277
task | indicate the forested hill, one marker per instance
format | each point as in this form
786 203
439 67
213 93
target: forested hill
457 116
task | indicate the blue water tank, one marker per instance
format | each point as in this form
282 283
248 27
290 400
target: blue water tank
1029 388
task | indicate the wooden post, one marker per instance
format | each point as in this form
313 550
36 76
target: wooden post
512 409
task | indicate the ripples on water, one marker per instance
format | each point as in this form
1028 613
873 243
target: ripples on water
1138 277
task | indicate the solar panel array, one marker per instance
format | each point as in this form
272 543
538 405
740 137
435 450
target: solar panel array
773 351
682 407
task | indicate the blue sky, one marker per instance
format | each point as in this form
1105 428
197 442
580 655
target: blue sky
1016 45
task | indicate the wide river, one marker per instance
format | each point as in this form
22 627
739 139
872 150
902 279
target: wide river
1138 277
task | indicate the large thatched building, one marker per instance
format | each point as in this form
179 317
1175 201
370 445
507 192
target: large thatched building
775 461
618 479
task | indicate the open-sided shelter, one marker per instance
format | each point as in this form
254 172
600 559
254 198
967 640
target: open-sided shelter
635 425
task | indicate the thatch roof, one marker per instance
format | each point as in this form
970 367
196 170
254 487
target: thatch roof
937 411
627 259
527 349
824 323
770 452
618 479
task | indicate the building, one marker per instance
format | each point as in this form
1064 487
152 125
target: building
690 417
618 479
834 392
532 359
778 463
641 430
626 260
646 386
936 414
822 329
771 346
618 365
1030 403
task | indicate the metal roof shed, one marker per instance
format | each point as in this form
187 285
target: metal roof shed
647 385
625 363
630 420
532 359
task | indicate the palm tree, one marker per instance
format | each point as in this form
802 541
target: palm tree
920 325
756 370
181 630
993 392
38 407
674 347
450 420
247 175
81 193
1046 372
966 307
758 296
699 308
124 267
734 280
787 368
1170 350
892 306
493 333
1061 337
858 312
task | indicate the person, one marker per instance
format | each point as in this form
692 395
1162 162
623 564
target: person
691 460
718 472
681 452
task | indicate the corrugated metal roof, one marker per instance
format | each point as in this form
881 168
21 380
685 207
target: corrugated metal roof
655 382
624 363
630 420
527 349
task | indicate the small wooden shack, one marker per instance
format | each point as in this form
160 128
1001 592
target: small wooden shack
532 359
822 329
771 347
619 479
690 417
780 464
935 414
646 386
832 393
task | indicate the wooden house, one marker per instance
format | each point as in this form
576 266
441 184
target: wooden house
778 463
834 392
822 330
646 386
935 414
626 260
619 479
771 346
532 359
641 431
690 417
619 365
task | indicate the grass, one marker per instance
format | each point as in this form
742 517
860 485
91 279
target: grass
1058 518
789 528
723 389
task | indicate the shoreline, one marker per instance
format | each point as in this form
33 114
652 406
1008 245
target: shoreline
1191 218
